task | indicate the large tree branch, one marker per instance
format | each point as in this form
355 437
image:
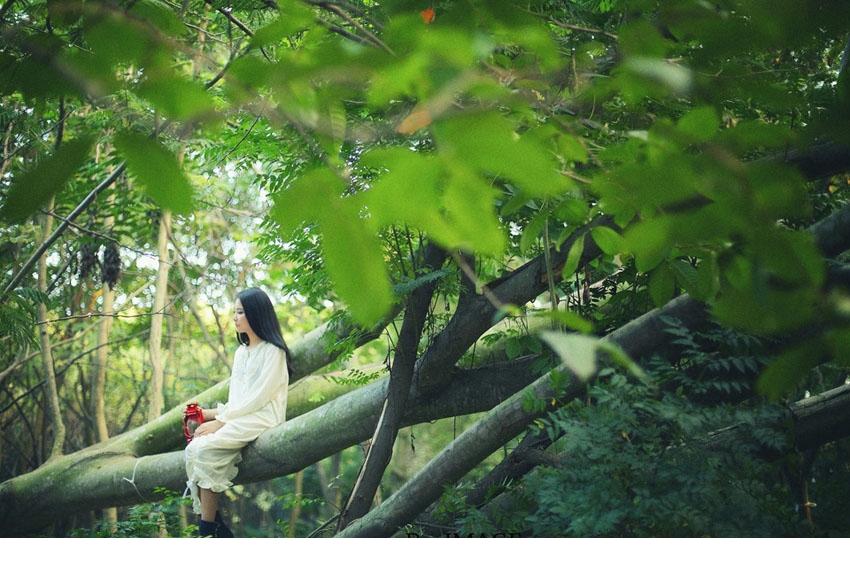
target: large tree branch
401 375
475 316
105 478
504 422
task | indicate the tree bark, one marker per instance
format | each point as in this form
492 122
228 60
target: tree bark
155 395
401 375
296 510
165 433
102 352
101 476
506 421
46 350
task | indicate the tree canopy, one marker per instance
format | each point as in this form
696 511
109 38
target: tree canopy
636 208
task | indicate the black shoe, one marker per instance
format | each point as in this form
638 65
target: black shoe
207 528
223 531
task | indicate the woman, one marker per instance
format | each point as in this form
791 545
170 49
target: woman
256 402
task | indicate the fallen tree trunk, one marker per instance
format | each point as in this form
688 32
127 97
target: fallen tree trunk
309 355
506 421
432 370
832 236
509 419
106 477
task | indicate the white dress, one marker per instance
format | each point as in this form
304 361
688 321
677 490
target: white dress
256 402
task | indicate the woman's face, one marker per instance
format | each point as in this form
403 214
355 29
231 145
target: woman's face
239 318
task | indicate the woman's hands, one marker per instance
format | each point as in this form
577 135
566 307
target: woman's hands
208 427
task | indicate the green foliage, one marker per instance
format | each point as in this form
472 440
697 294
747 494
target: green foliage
637 466
158 170
496 128
356 377
34 188
18 318
147 520
644 458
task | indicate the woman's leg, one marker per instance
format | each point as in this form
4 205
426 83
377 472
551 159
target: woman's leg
209 504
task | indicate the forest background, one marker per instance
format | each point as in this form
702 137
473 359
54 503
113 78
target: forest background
546 268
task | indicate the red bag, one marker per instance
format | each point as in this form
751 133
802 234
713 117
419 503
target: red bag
193 417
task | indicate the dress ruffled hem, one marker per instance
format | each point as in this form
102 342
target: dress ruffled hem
199 478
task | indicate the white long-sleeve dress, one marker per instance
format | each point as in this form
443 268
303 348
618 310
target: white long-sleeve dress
256 402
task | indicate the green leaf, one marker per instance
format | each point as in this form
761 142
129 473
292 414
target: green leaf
620 357
294 17
572 149
355 261
407 192
783 374
648 242
159 15
686 276
304 200
573 257
569 319
158 170
839 340
487 142
609 240
572 210
675 78
115 39
30 190
577 351
514 202
471 211
513 347
662 285
700 124
532 230
353 254
176 97
708 279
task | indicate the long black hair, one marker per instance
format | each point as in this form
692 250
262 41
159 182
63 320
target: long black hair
263 321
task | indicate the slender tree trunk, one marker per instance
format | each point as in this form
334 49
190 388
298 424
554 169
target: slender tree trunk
52 392
401 376
155 396
296 510
110 515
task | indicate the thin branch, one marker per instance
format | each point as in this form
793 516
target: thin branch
574 27
27 266
96 314
101 235
347 17
242 139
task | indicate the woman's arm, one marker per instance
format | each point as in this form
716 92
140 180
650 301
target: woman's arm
274 374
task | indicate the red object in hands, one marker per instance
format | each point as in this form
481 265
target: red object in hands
193 416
